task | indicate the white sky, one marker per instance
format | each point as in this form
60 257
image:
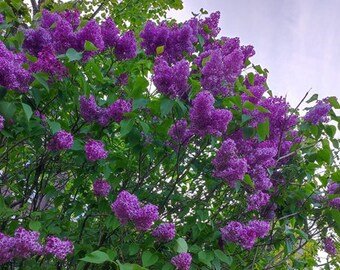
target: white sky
298 41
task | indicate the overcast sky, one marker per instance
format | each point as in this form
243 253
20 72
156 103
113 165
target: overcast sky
298 41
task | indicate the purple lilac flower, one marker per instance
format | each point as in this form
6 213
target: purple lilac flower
180 134
125 207
59 248
329 246
49 18
335 203
90 32
268 212
94 150
123 79
2 122
12 75
110 33
260 227
209 26
101 188
145 217
64 37
171 80
72 16
333 188
227 165
205 119
126 46
165 231
318 114
37 39
257 201
48 62
88 108
117 109
2 18
26 243
153 36
62 140
7 247
182 261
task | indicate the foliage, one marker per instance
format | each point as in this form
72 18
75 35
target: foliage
155 149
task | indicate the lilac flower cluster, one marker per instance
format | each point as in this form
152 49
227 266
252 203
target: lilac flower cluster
329 246
205 119
180 134
319 113
220 65
127 207
334 188
91 112
101 188
257 201
257 89
26 244
12 74
245 235
59 248
94 150
171 80
165 231
2 122
2 18
182 261
227 165
62 140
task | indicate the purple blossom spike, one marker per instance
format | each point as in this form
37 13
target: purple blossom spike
62 140
153 36
260 227
101 188
318 114
180 134
145 217
117 109
27 243
329 246
88 108
7 247
2 122
94 150
36 39
126 46
59 248
165 231
257 201
182 261
125 207
110 33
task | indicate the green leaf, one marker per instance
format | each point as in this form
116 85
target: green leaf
249 105
73 55
206 257
334 102
126 126
140 103
39 77
205 60
139 87
160 50
168 266
166 106
251 78
248 132
247 179
312 98
97 257
263 130
223 257
180 245
27 110
149 258
55 126
336 215
34 225
133 249
129 266
145 127
7 109
89 46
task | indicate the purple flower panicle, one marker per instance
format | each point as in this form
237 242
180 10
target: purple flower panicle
182 261
101 188
329 246
165 231
62 140
59 248
94 150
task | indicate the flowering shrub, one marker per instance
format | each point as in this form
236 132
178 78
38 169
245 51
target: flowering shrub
204 167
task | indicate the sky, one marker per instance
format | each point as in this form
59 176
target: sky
298 41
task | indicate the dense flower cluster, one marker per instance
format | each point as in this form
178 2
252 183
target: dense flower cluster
171 80
2 122
318 114
205 119
329 246
127 207
94 150
257 201
2 18
180 134
334 188
12 74
227 165
62 140
57 247
101 188
182 261
245 235
165 231
91 112
26 244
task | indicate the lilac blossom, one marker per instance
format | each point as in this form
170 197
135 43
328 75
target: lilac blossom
110 33
182 261
257 201
319 113
101 188
126 46
2 122
57 247
36 40
145 217
165 231
94 150
62 140
329 246
125 207
180 134
26 243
